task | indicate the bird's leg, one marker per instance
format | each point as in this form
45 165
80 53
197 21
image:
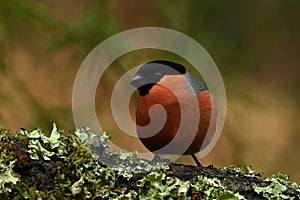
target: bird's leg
196 160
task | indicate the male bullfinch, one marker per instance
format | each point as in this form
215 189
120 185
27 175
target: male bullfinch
162 82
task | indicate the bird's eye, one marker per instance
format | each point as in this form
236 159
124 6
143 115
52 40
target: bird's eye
158 74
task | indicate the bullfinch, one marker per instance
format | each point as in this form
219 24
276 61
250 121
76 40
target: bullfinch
170 85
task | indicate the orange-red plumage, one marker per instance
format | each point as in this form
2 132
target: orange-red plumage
166 93
185 104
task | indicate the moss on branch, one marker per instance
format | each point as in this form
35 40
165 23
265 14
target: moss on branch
73 165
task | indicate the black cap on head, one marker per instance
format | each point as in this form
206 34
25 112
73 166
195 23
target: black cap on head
178 67
151 73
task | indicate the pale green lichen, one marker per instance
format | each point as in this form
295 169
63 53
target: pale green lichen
278 185
243 170
78 172
37 141
130 162
7 176
36 149
76 188
157 185
213 189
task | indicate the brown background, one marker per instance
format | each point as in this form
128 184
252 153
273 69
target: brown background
254 44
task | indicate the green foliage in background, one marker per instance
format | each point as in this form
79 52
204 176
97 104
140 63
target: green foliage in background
255 45
237 35
40 29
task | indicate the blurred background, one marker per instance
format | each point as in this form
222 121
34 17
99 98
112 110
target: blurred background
254 44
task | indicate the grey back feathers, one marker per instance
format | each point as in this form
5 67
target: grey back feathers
197 85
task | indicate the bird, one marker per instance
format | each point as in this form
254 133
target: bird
172 86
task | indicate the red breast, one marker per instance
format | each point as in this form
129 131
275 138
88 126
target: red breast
166 93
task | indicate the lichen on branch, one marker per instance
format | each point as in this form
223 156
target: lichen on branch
74 165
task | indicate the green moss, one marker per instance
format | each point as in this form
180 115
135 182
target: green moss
34 166
73 165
